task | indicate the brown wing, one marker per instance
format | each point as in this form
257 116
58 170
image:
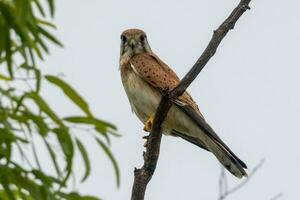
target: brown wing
160 75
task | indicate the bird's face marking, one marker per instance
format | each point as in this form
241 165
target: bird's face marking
133 41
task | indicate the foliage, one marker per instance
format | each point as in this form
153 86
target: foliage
25 115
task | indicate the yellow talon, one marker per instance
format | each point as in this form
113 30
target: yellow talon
148 124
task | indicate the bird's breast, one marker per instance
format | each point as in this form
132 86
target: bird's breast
143 98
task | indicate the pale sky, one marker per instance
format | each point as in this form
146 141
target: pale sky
248 92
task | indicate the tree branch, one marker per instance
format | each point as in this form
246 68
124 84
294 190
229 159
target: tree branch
143 175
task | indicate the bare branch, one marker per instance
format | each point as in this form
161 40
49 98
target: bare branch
143 175
223 183
278 196
226 191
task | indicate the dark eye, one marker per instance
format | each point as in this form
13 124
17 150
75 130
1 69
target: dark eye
123 38
142 38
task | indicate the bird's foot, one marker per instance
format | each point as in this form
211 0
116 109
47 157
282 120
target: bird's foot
148 124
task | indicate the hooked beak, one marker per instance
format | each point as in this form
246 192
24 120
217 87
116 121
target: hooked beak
132 43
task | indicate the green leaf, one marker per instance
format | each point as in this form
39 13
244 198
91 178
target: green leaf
20 103
53 157
29 185
66 144
5 185
47 181
112 159
37 39
85 159
49 36
40 7
45 107
51 7
8 53
114 133
90 120
70 92
38 80
3 77
39 122
45 23
103 132
37 74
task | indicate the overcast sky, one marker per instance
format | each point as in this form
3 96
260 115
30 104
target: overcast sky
248 92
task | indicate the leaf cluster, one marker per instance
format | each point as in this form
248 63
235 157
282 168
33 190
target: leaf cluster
25 116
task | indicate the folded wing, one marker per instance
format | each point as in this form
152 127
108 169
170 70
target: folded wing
154 71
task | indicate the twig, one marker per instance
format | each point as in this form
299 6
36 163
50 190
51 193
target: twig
227 191
143 175
223 183
278 196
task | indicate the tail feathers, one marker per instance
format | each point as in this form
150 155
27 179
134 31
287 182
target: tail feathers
230 161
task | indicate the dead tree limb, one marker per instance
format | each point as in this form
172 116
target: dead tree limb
143 175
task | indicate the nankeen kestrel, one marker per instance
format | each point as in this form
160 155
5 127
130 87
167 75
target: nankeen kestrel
144 76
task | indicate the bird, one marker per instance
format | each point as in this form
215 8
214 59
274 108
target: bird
145 77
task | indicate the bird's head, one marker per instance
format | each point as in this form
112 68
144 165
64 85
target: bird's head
133 41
